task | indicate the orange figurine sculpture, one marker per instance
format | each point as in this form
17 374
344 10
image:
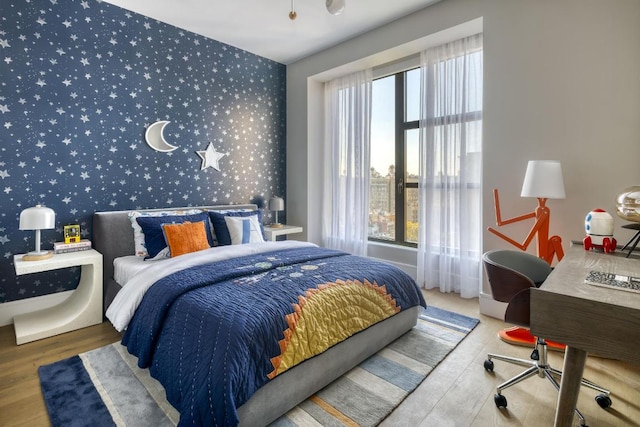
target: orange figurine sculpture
548 247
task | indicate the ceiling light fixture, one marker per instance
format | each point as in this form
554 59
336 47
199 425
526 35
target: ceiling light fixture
334 7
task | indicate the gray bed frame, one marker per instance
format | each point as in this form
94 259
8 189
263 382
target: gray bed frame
113 237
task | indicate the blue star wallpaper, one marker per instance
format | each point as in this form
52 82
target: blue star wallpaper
81 81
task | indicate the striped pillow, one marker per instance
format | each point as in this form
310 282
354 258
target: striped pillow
221 231
244 229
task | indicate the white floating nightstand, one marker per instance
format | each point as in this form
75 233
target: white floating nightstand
271 233
83 307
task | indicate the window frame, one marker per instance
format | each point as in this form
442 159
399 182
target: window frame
400 179
401 127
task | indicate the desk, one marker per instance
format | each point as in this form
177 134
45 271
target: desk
587 318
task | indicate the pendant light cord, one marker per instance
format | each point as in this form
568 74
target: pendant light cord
293 14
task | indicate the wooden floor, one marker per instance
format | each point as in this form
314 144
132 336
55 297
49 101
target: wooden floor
21 402
457 393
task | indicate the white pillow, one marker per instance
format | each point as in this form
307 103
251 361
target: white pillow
244 229
138 235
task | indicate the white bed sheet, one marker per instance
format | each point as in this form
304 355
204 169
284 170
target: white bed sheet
129 297
125 267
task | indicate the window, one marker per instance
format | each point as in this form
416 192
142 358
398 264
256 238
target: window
393 195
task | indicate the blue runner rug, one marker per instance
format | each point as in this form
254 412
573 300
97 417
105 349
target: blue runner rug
104 387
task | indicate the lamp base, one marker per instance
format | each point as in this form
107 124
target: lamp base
276 225
37 256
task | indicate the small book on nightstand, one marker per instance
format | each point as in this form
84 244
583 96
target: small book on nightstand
63 248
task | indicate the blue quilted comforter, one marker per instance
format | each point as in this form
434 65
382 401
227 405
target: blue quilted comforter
209 333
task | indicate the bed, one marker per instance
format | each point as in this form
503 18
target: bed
113 237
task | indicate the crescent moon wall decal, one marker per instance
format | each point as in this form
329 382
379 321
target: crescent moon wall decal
155 138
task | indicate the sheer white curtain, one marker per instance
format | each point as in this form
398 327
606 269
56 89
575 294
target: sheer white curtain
347 147
449 242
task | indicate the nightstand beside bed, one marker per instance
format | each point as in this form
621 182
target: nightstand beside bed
272 233
83 307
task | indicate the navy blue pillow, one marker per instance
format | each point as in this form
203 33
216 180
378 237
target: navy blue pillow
154 236
220 225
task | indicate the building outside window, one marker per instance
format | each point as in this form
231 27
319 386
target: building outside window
393 196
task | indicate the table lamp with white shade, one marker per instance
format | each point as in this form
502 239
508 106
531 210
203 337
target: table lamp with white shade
276 204
37 218
543 180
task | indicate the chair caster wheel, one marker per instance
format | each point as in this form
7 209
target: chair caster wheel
535 355
500 400
603 400
488 365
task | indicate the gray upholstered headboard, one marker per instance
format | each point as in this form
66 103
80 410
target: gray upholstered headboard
113 238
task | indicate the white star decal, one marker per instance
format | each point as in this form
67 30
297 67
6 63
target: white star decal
210 158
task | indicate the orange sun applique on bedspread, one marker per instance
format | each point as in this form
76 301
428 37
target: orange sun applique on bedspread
328 315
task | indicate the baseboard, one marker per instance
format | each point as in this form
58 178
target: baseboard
12 308
491 307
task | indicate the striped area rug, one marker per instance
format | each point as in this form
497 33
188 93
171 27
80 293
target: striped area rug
367 394
125 395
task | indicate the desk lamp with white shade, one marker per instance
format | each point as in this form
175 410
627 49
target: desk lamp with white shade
37 218
276 204
543 180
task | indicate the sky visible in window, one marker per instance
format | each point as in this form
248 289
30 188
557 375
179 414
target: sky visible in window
383 125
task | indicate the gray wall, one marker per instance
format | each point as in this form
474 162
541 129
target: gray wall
561 81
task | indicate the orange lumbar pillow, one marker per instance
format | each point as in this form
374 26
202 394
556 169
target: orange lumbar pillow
186 237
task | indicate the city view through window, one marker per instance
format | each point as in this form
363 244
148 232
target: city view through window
394 168
382 207
393 194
